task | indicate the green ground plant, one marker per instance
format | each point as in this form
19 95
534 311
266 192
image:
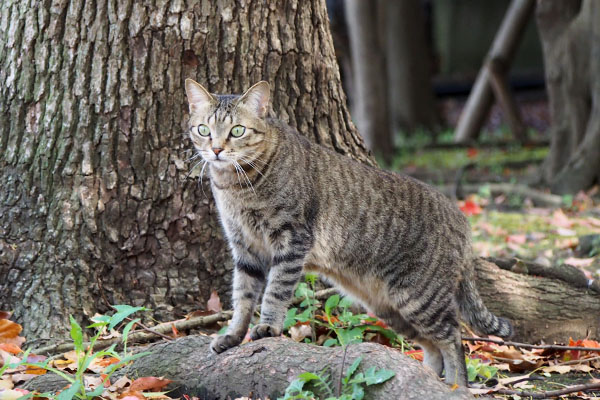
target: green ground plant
86 354
309 385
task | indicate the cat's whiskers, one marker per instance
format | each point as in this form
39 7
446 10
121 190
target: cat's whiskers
237 172
195 156
201 175
251 164
254 158
192 169
249 183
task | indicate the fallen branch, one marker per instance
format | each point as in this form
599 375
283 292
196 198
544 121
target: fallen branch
142 336
551 393
564 272
538 197
530 346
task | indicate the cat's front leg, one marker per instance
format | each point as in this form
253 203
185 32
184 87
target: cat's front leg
248 281
283 277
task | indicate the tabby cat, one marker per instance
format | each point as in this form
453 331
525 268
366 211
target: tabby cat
288 206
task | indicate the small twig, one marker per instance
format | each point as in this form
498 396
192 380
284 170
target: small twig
144 327
579 361
551 393
141 336
319 295
339 388
531 346
527 378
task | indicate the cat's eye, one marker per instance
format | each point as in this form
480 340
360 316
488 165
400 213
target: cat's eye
238 131
203 130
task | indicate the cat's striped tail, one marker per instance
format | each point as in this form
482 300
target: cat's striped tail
475 313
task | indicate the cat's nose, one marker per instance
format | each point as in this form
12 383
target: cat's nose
217 150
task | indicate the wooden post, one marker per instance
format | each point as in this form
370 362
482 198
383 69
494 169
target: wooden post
503 49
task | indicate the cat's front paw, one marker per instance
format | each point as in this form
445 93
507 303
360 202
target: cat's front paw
224 342
264 330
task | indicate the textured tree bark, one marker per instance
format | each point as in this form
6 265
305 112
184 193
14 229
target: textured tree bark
96 202
369 100
569 32
540 307
263 369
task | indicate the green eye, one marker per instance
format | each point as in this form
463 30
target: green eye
203 130
238 130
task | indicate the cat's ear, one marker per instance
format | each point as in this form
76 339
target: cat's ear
256 99
198 97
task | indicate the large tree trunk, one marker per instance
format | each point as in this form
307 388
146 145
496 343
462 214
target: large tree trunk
95 202
409 68
569 32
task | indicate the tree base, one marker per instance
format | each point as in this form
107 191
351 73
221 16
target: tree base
263 369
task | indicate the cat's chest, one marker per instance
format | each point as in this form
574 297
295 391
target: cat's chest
246 221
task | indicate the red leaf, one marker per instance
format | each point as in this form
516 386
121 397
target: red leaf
472 152
149 383
470 208
416 354
214 303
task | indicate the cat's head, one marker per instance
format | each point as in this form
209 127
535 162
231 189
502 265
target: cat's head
228 128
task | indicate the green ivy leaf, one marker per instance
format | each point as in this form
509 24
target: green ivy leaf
290 318
351 370
128 328
331 303
330 342
349 336
69 393
123 311
76 334
345 302
374 376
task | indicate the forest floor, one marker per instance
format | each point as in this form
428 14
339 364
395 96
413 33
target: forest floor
505 225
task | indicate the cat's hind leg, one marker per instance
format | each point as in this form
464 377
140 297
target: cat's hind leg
432 357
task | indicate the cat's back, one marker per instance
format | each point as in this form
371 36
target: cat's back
365 211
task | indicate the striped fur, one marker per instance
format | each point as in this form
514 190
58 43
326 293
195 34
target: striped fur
395 244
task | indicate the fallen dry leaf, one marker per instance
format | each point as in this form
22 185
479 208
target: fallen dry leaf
563 369
560 219
132 395
149 383
299 332
9 332
119 384
416 354
214 302
99 364
6 384
11 348
580 262
12 394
